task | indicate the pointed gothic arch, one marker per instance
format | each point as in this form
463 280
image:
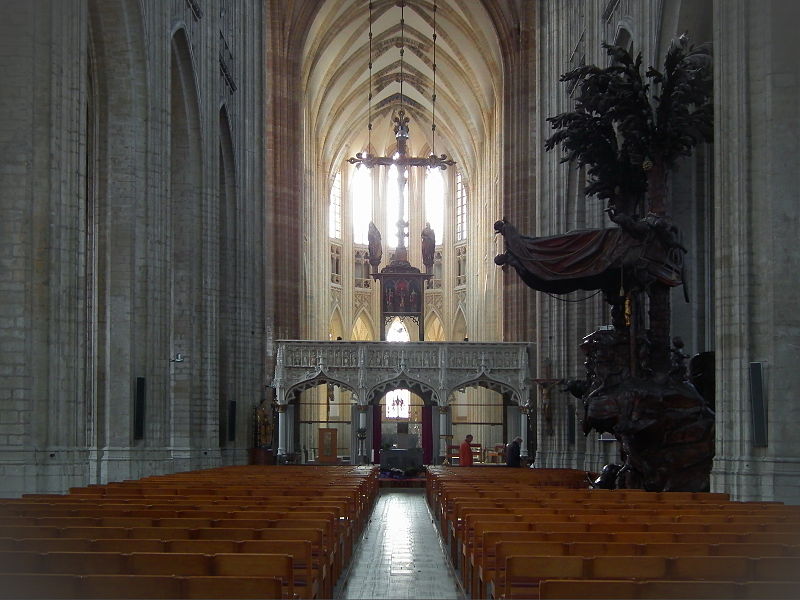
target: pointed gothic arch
363 327
115 233
459 325
336 325
434 327
186 238
228 326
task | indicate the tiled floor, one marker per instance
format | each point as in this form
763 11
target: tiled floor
400 554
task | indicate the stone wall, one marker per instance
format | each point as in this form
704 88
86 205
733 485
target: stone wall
756 252
132 216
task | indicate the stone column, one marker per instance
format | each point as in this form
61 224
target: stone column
444 432
361 435
43 46
281 430
523 431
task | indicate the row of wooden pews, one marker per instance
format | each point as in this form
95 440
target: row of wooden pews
517 533
231 532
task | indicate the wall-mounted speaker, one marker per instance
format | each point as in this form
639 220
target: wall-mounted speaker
139 402
758 407
232 421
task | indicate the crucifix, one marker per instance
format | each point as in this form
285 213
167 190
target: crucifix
402 285
401 160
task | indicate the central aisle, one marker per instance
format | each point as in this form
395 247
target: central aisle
400 554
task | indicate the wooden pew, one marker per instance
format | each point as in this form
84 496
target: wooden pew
523 574
230 587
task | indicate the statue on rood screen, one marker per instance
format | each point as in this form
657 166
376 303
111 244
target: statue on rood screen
375 246
428 247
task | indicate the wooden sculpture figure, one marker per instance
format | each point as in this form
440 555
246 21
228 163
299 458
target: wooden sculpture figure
375 247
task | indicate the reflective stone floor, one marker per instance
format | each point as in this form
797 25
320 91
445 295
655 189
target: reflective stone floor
400 554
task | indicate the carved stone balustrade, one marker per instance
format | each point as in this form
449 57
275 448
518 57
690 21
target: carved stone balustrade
431 369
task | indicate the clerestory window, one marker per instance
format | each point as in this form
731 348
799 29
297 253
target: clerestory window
335 208
434 202
361 196
461 208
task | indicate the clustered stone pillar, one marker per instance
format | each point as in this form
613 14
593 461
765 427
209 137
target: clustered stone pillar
281 430
523 431
362 434
444 432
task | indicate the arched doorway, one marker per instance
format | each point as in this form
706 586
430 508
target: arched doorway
324 424
488 415
402 415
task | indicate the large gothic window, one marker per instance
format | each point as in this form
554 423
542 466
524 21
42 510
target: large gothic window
398 401
434 202
335 208
393 205
362 204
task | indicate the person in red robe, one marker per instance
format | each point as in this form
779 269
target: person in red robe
465 452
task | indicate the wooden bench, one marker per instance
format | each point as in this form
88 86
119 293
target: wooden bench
523 574
116 564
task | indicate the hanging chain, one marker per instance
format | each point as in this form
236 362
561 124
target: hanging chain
433 96
369 102
402 48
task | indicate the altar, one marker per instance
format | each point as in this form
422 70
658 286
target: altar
404 459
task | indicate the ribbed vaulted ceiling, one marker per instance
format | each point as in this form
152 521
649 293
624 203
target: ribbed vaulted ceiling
336 77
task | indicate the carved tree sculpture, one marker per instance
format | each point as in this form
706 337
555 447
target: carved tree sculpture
636 385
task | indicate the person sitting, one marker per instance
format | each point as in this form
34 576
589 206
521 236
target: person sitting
513 452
